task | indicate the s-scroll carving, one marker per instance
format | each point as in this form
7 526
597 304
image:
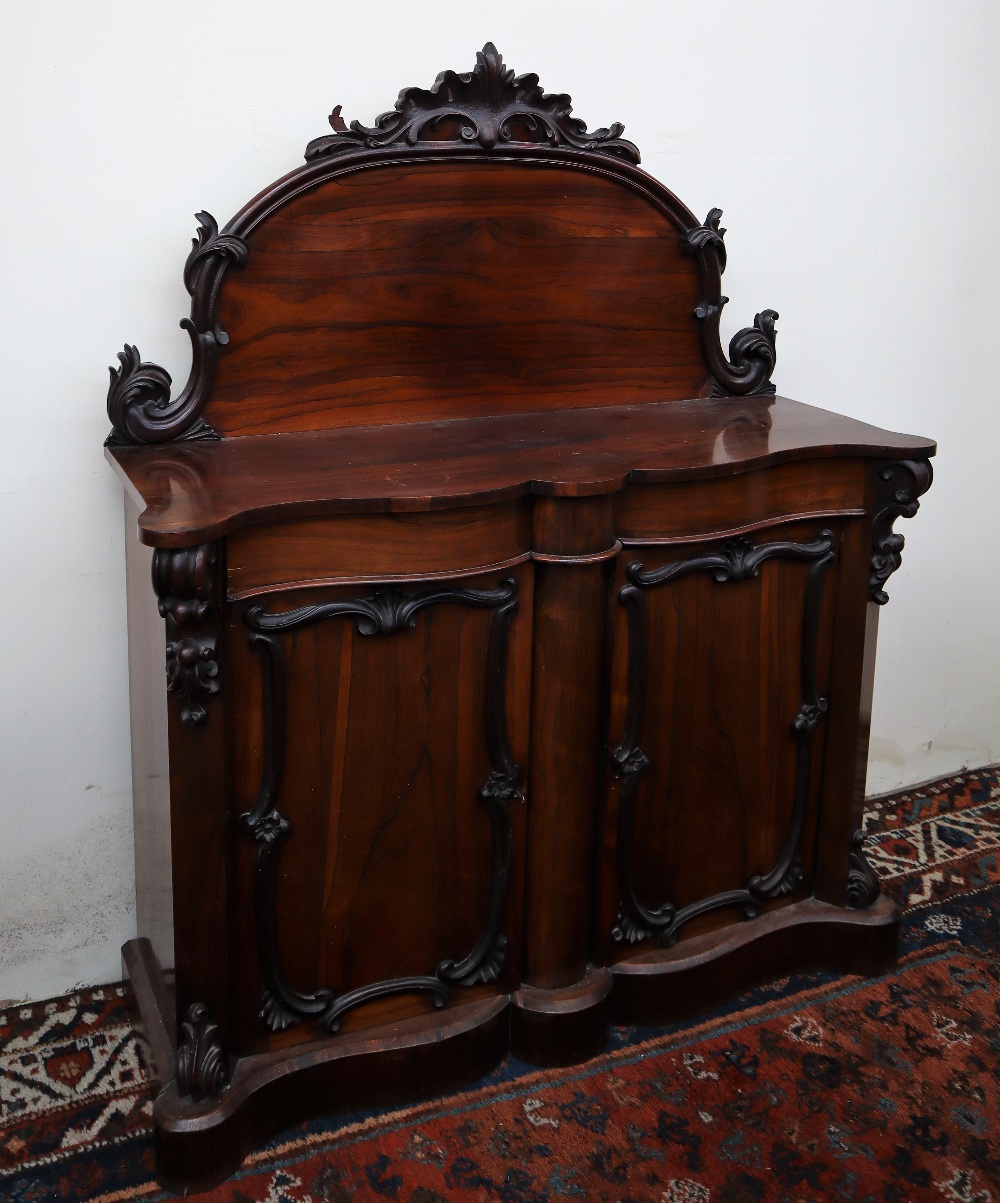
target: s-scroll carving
139 403
752 350
200 1067
184 582
900 484
735 560
387 611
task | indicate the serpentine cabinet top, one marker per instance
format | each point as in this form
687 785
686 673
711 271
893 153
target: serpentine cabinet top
474 298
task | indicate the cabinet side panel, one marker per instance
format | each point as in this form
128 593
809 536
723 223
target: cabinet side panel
150 766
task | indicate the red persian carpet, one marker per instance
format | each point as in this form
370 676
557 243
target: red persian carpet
817 1087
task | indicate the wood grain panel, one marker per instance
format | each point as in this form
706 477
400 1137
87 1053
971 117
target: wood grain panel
387 869
724 686
408 294
686 511
376 546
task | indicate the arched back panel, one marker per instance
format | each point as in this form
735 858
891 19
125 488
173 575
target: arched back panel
478 251
442 290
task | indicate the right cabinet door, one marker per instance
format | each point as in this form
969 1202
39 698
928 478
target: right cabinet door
721 657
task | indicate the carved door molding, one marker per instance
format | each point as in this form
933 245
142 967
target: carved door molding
735 560
388 611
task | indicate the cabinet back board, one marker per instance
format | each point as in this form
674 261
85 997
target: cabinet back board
448 290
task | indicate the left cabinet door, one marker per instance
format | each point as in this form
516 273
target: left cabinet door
379 750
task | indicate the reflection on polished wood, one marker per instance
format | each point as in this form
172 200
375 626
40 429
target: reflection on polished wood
518 639
198 491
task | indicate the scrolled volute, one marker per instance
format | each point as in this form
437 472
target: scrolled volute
752 350
139 403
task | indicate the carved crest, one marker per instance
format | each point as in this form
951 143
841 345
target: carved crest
484 108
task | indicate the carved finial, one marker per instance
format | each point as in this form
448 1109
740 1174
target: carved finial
481 109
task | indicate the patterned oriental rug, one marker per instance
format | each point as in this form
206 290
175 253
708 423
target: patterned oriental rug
818 1087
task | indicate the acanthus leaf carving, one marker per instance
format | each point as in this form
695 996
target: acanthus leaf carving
486 108
139 404
184 582
208 241
900 484
201 1071
753 350
709 233
862 880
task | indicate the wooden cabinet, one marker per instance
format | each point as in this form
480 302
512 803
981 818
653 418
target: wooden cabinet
519 642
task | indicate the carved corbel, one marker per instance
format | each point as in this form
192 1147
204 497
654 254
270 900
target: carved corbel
201 1071
900 483
184 582
484 109
139 403
862 880
752 350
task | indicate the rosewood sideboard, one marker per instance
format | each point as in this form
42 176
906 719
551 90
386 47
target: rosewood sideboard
519 640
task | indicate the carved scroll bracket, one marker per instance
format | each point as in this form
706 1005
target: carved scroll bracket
752 350
139 403
184 582
201 1071
900 484
484 109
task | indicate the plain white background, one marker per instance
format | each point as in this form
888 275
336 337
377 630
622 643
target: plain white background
852 146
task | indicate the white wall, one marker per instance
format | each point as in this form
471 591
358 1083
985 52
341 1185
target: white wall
853 147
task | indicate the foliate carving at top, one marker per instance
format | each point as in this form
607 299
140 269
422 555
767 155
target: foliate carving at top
900 484
183 580
752 350
139 403
484 108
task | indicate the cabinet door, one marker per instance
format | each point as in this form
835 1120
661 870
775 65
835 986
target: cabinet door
379 745
720 669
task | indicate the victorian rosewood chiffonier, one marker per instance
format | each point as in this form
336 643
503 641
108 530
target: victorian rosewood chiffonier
519 641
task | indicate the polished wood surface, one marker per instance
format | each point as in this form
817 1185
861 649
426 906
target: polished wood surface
387 869
201 490
303 552
519 640
436 291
